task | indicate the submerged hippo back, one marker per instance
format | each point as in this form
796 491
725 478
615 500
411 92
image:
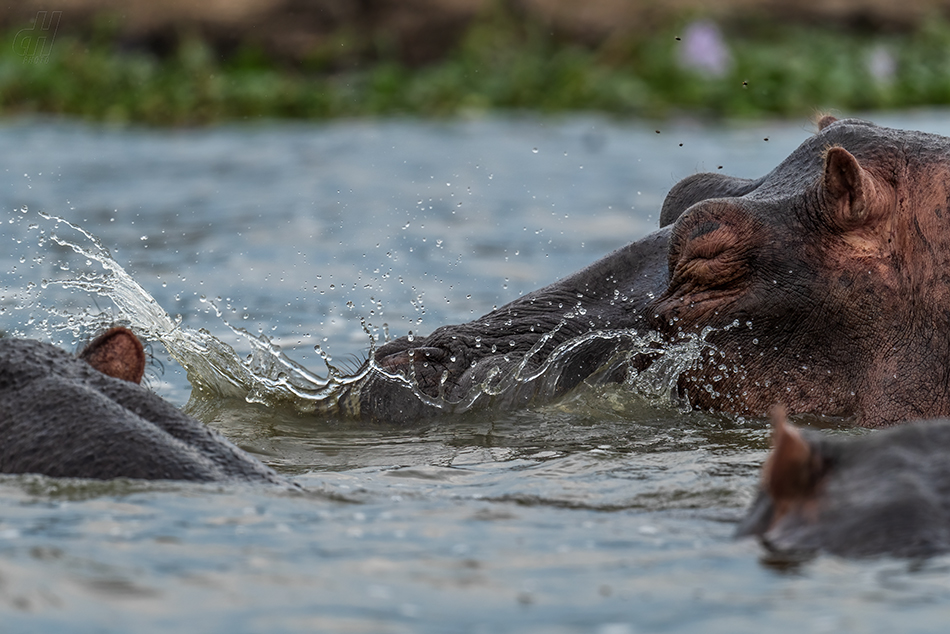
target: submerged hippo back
62 418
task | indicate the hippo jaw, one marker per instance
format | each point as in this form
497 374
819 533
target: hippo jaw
499 357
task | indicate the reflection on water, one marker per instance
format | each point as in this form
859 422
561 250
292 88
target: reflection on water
250 255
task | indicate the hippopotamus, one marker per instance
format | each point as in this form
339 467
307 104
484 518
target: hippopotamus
824 285
88 417
881 494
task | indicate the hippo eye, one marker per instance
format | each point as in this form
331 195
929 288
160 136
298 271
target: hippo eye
708 255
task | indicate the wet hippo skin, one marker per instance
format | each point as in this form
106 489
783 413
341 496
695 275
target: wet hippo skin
881 494
826 284
62 417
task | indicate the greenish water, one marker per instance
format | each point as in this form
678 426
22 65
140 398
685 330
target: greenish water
603 512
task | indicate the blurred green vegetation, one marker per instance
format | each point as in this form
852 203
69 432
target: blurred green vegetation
501 63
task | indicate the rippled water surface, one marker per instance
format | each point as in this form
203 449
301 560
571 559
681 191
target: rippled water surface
603 512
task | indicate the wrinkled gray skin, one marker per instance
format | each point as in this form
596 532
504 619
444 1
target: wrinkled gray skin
835 265
883 494
60 417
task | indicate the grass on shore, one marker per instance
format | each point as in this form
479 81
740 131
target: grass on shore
499 64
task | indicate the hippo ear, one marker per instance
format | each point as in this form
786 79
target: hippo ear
699 187
826 120
794 466
117 353
848 189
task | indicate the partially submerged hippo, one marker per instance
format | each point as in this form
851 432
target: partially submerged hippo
882 494
87 417
826 283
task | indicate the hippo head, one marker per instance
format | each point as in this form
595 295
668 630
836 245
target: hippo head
828 279
88 417
882 493
824 285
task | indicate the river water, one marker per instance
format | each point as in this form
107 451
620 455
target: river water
609 511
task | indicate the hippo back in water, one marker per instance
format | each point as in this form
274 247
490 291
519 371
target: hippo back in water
887 493
824 285
62 417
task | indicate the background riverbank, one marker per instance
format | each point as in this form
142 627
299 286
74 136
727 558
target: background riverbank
170 63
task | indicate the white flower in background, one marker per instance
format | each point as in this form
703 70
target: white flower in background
704 50
881 64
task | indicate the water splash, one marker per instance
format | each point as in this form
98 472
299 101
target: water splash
270 377
212 365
